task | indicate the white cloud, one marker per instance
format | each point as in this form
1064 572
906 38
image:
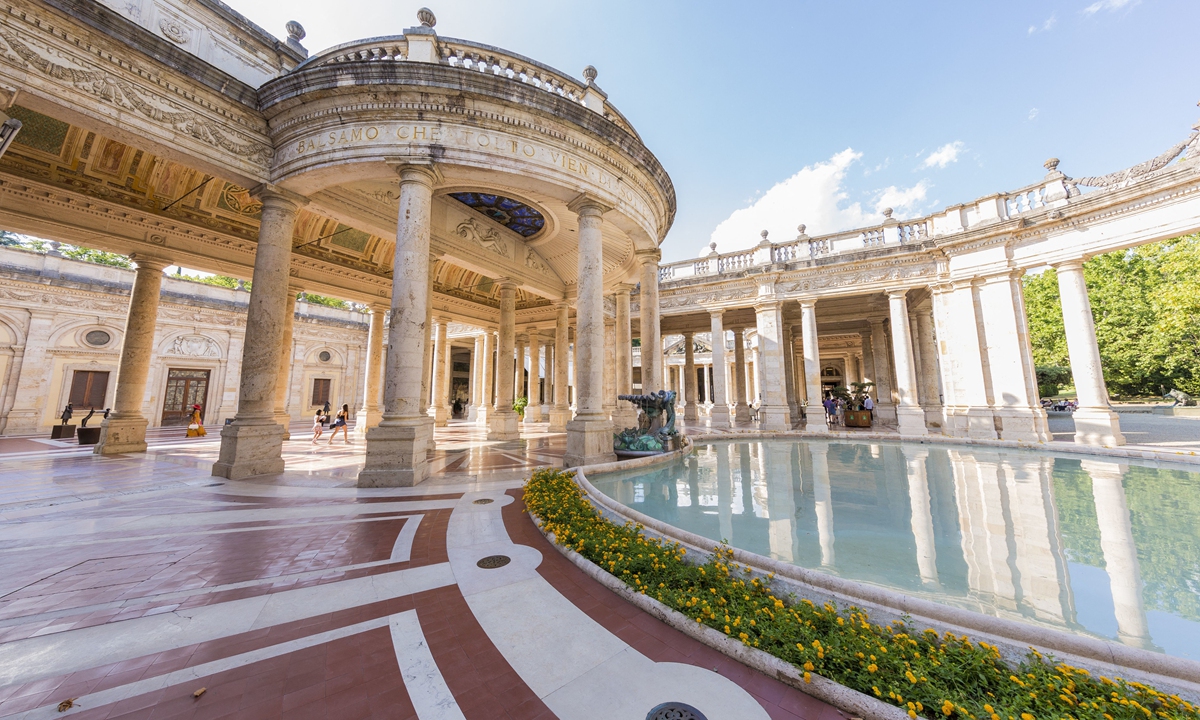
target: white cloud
1033 112
1110 5
817 197
1050 22
944 155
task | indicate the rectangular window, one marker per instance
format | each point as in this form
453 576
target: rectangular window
88 389
320 394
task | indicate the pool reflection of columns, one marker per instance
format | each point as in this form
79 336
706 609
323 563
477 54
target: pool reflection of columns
689 378
589 435
921 513
397 447
781 503
746 476
724 493
823 498
719 415
253 443
560 413
1120 551
502 425
368 415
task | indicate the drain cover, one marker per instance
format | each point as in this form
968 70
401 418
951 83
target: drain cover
491 562
483 501
675 711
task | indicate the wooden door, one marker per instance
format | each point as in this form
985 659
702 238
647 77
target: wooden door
185 388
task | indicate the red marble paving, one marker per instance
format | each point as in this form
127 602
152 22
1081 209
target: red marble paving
649 635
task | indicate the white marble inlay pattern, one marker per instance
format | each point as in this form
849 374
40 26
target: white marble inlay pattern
427 689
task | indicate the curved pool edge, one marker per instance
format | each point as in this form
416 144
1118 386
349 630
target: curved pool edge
1186 457
1013 636
843 698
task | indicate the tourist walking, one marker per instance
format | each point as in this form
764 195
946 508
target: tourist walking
196 424
869 406
318 430
340 424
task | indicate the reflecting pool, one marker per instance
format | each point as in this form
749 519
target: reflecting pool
1092 546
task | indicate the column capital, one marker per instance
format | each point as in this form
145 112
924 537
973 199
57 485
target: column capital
150 262
562 305
269 192
718 314
624 288
689 334
646 257
897 294
1076 264
423 172
506 283
585 204
808 302
444 319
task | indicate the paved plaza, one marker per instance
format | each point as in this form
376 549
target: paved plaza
132 582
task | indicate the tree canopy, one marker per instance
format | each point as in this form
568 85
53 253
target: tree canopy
1146 306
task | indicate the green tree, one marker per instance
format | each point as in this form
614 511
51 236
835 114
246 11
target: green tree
327 301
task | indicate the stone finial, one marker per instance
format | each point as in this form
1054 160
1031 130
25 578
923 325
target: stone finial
887 212
427 18
763 234
589 73
295 31
801 228
1051 164
712 248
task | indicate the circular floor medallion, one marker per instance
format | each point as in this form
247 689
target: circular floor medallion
675 711
491 562
484 501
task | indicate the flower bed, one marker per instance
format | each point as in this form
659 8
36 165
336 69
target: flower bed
927 674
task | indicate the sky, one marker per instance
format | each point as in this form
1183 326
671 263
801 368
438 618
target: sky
768 115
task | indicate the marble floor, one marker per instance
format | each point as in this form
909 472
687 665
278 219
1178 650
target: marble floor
142 587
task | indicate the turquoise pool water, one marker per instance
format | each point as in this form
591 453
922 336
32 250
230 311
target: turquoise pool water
1090 546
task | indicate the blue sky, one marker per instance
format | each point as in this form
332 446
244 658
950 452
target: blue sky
823 112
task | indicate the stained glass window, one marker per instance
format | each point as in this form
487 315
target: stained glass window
512 214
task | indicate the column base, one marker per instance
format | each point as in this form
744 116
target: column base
283 420
814 419
970 422
439 414
482 413
741 413
248 450
503 426
589 442
911 421
122 435
885 413
934 418
365 419
689 412
1097 426
774 418
559 417
472 413
1022 424
533 413
718 416
626 417
397 454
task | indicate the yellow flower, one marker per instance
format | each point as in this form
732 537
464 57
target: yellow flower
807 677
1026 716
872 667
808 666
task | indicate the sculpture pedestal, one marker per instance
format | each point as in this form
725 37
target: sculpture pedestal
589 442
397 454
62 432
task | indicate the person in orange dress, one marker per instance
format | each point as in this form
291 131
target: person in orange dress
196 425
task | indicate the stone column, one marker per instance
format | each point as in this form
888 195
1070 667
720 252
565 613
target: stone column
719 416
124 431
533 412
589 435
560 414
909 415
397 447
287 356
32 373
1120 551
519 369
965 408
814 410
610 370
486 409
741 410
427 358
253 443
788 347
930 395
885 407
368 415
625 415
503 422
773 413
652 365
689 378
548 395
1095 422
1016 404
476 383
438 409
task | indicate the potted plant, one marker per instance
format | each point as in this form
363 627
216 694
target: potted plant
856 416
519 405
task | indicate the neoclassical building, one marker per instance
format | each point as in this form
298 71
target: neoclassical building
501 221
